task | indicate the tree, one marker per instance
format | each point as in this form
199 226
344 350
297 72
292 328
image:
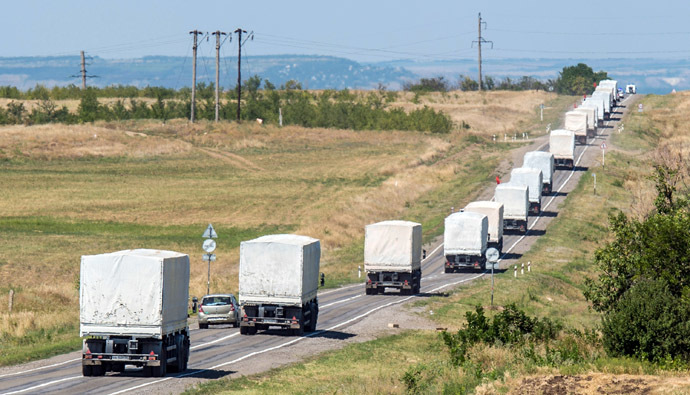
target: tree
88 106
645 271
578 80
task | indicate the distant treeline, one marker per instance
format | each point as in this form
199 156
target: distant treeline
260 99
572 80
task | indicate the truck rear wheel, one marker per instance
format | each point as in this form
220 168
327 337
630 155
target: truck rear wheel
87 370
448 270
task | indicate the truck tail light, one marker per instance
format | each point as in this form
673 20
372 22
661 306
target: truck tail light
87 354
294 319
405 282
245 319
152 356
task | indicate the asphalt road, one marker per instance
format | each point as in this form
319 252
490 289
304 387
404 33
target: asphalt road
222 351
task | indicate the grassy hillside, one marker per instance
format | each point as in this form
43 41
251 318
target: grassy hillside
71 190
419 362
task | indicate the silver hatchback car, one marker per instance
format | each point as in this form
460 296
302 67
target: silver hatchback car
219 309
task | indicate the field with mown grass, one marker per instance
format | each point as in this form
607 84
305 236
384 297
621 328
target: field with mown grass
561 260
72 190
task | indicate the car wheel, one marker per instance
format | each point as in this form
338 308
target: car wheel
203 326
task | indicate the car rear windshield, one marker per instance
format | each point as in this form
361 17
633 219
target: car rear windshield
216 301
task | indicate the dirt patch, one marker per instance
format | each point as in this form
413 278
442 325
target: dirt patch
600 383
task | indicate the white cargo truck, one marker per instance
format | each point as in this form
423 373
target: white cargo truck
543 161
494 213
464 241
562 146
278 282
531 178
133 311
515 200
598 103
576 122
591 119
613 84
392 257
607 94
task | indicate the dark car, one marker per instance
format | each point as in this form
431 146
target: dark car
219 309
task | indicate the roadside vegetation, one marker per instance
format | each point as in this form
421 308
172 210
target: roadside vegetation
610 249
89 188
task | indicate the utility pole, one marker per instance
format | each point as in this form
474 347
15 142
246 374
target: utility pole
479 42
218 33
83 71
195 33
239 32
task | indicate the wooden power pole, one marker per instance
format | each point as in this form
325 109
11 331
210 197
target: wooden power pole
479 42
194 46
239 32
218 33
83 71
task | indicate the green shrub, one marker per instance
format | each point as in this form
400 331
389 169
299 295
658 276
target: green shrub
650 323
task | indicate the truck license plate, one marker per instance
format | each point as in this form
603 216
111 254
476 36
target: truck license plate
120 357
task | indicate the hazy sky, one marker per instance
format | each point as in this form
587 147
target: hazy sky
355 29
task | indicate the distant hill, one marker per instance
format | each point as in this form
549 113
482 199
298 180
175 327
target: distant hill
325 72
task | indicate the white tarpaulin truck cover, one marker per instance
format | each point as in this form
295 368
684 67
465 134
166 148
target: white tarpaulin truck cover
515 199
577 122
591 113
279 269
562 144
541 160
612 84
392 246
133 292
598 103
532 178
604 93
589 103
465 233
494 213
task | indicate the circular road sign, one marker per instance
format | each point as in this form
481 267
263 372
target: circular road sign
209 245
492 255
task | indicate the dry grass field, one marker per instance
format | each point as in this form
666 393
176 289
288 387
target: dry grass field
72 190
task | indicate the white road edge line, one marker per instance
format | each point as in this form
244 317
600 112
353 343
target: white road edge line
39 368
42 385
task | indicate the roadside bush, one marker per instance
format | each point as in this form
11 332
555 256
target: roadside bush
650 323
509 327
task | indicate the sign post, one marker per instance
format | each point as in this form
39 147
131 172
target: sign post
492 256
603 154
209 246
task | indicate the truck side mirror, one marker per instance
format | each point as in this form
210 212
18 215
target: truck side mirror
323 280
423 254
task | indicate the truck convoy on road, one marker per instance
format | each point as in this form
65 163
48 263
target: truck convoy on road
278 282
464 241
133 311
543 161
494 214
515 200
562 146
531 178
392 257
